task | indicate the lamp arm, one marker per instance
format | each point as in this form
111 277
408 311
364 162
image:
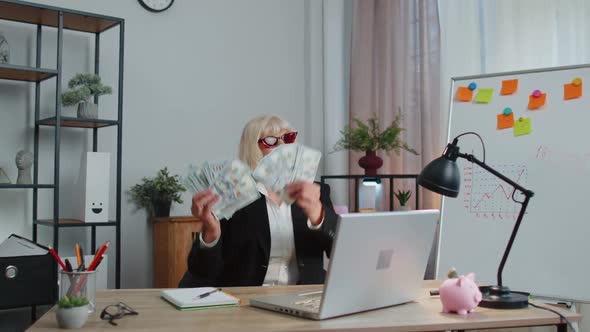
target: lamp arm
527 195
483 165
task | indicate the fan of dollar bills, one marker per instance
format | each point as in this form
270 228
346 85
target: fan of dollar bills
236 183
285 164
232 180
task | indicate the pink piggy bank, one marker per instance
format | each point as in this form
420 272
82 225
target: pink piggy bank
460 295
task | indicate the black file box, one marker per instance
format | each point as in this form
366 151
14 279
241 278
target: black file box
27 280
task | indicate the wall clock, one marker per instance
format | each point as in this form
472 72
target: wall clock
156 6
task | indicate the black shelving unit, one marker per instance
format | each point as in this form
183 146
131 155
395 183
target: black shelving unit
44 16
389 177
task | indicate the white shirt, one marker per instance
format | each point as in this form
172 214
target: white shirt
282 266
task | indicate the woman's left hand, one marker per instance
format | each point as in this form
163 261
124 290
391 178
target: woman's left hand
307 196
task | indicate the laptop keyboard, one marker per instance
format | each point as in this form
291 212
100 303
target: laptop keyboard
311 303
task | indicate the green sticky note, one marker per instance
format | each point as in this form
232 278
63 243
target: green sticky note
522 126
484 95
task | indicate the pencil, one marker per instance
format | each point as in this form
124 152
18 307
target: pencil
78 255
98 255
56 256
82 266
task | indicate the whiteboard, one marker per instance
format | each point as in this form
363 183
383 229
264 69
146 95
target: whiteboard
549 256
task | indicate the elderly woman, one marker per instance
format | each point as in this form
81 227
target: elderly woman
268 242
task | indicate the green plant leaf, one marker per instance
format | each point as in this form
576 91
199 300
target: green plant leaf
82 87
72 301
161 188
367 136
403 196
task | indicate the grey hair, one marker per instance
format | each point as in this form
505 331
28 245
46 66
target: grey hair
255 129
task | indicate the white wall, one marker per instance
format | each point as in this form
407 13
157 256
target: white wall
193 76
337 38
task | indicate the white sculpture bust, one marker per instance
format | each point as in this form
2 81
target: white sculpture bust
24 161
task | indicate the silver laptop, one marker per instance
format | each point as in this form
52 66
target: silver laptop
378 260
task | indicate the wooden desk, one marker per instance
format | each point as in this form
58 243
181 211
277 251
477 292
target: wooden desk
423 315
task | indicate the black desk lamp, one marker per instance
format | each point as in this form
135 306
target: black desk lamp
442 176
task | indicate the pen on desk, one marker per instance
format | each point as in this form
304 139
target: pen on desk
56 256
204 295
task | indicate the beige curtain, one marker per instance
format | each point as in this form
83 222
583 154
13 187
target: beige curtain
395 64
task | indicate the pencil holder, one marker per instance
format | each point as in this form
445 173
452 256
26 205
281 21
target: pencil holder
80 284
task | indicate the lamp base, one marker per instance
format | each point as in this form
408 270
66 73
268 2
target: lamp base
501 297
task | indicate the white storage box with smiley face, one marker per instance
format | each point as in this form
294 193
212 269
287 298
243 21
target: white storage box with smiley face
93 184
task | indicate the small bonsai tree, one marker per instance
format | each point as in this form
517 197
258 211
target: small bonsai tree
160 190
82 87
403 196
368 137
72 301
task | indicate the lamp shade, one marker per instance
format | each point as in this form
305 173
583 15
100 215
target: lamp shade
441 176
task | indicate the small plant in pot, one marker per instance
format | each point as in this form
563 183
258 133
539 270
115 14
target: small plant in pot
157 194
403 196
369 138
82 87
72 312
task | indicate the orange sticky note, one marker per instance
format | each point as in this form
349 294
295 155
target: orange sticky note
522 126
464 94
571 91
505 121
537 102
509 87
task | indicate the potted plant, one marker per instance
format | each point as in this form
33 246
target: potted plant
82 87
368 137
403 196
72 312
157 194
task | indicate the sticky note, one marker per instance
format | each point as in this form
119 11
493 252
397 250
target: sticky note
509 87
484 95
537 102
505 121
572 91
522 126
464 94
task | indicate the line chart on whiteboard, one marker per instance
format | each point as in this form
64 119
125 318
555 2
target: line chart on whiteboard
488 197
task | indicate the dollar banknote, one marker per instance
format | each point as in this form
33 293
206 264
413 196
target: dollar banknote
235 183
231 180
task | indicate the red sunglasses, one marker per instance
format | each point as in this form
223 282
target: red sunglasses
272 141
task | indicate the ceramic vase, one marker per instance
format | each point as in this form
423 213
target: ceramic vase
72 318
371 162
87 110
4 49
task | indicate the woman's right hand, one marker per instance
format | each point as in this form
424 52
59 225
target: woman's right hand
201 208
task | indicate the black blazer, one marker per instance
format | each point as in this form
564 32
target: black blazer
241 256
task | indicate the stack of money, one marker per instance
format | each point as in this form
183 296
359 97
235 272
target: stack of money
231 180
285 164
236 183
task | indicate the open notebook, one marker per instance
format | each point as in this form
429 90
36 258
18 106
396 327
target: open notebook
188 298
